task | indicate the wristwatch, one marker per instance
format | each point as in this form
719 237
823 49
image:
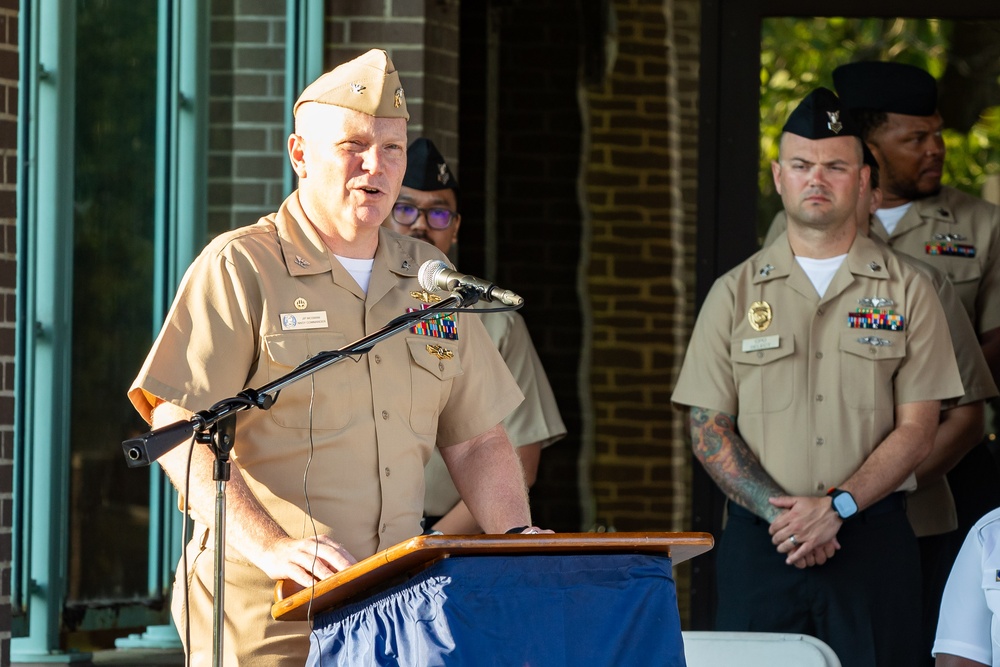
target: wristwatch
843 503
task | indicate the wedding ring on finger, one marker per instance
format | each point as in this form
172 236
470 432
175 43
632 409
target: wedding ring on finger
793 541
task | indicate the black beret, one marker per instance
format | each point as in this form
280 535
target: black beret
820 116
426 169
886 86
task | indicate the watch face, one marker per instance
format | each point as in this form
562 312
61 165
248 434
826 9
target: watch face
845 505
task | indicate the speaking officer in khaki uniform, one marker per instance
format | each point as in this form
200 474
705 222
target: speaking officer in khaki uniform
427 208
333 472
814 377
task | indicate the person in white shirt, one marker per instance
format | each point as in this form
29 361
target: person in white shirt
968 630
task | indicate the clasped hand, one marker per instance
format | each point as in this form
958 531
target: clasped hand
814 525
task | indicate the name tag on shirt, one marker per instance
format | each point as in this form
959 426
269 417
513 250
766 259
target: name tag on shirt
762 343
296 321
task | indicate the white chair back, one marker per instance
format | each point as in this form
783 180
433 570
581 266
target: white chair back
756 649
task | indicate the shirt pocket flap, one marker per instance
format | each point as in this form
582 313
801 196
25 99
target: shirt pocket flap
991 580
874 344
285 351
439 358
963 270
763 355
292 349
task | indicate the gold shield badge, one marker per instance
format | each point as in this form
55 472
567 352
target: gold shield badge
759 315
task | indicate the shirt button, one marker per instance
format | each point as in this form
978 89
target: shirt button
378 359
387 471
440 365
385 414
760 355
819 441
384 527
819 311
819 398
819 355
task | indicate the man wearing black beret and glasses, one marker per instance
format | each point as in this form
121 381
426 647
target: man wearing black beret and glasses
427 208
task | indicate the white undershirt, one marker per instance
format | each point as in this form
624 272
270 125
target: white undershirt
821 271
890 217
360 270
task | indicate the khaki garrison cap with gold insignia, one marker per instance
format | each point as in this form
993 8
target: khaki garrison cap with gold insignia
369 84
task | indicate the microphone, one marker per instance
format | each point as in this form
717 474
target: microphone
435 275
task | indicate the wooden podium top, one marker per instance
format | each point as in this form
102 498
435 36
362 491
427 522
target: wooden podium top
293 603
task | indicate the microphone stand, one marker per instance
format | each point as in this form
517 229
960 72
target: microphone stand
216 427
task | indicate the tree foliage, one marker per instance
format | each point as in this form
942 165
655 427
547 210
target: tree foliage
798 55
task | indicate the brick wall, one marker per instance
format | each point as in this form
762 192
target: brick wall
640 190
8 280
421 37
538 210
637 273
247 110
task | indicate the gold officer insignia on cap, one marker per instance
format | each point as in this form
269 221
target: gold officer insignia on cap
301 261
874 266
301 304
835 125
368 84
759 315
440 351
425 297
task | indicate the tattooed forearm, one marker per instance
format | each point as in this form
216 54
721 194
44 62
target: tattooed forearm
730 463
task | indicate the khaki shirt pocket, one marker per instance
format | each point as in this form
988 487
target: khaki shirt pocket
869 360
435 363
331 404
962 270
763 384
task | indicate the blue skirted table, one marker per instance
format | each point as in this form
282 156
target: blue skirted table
564 599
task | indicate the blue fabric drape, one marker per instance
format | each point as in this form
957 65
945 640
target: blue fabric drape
611 609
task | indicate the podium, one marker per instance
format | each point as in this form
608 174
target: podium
551 599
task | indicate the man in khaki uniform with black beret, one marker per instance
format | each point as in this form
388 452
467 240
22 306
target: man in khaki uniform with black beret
931 507
333 472
896 107
814 377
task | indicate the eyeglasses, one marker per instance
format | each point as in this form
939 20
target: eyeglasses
437 218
